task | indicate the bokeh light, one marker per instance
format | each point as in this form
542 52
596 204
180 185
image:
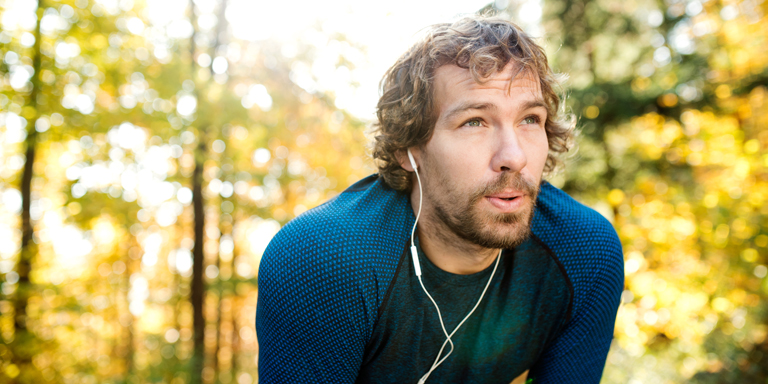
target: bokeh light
146 117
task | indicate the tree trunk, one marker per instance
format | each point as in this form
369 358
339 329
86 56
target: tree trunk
197 292
198 284
130 266
124 346
234 310
218 319
24 341
225 228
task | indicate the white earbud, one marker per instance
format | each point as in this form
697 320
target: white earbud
413 162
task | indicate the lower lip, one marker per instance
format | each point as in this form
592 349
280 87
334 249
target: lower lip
506 205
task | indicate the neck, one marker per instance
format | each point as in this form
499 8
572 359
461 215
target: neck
445 249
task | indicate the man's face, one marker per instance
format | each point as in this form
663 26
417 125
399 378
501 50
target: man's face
482 167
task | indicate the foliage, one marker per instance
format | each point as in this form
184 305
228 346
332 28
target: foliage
122 113
671 100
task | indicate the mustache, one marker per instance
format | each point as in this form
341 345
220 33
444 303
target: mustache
506 180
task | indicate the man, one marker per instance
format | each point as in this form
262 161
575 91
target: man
508 275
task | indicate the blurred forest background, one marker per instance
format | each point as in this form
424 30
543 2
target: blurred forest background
147 157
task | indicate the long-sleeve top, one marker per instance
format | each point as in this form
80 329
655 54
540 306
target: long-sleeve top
339 301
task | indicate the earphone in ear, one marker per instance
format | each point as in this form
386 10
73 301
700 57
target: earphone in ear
413 162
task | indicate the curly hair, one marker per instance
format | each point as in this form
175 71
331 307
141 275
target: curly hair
406 110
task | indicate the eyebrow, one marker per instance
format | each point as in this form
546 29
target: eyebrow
530 104
463 107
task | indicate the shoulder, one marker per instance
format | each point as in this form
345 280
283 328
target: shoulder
558 212
565 223
321 281
367 215
583 240
355 240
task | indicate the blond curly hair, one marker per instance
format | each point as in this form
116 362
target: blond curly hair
406 110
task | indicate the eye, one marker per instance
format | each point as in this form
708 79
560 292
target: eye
532 119
473 123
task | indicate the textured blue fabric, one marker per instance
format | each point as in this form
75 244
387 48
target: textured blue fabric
324 276
590 250
523 311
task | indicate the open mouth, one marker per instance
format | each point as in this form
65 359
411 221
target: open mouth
506 202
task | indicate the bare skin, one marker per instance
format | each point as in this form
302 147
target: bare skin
481 168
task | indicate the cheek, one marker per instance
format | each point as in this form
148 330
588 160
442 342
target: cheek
455 161
537 152
443 152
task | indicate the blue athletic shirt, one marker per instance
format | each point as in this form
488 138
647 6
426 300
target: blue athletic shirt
339 301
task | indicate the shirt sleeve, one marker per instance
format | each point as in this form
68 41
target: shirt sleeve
577 355
311 319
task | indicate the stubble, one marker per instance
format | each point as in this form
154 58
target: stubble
459 212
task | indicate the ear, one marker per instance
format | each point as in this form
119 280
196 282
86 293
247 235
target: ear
402 158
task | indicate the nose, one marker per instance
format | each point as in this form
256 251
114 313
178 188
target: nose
509 155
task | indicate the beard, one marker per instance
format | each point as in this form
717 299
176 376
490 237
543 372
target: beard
459 212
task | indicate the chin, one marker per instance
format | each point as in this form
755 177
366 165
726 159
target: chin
506 233
500 230
479 222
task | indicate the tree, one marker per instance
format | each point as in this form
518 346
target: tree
113 194
24 340
668 150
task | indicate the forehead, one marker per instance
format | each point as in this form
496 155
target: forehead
453 82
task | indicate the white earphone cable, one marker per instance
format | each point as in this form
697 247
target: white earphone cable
417 268
448 339
413 231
